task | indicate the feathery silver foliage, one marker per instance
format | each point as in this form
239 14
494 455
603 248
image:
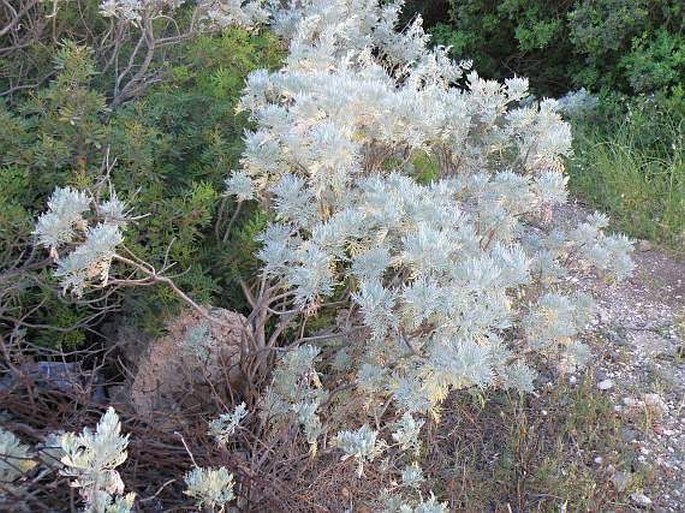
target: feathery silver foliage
210 487
90 262
89 242
240 185
15 461
412 476
362 445
64 218
406 432
223 427
428 264
91 459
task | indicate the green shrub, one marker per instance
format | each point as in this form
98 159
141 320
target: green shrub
624 45
655 63
166 154
514 36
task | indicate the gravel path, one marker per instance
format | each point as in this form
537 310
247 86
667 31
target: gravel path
639 337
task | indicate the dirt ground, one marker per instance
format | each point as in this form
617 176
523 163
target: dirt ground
639 338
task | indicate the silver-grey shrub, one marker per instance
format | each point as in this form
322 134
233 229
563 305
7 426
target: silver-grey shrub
446 283
431 283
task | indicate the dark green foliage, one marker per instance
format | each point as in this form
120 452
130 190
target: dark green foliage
624 45
510 37
166 154
27 54
55 136
656 63
29 49
628 45
186 139
629 153
432 11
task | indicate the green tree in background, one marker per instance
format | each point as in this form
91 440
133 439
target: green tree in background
631 46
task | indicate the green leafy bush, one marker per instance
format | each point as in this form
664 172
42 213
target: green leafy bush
655 63
624 45
514 36
166 154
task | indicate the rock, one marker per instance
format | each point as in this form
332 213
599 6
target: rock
645 245
629 435
183 374
605 384
630 402
655 404
69 378
601 375
616 338
640 500
620 480
652 344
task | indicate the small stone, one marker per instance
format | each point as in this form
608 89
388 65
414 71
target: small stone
598 460
605 384
640 500
601 374
645 245
620 480
617 339
656 403
629 435
630 402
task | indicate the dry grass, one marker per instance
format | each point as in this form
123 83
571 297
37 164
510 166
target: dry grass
490 452
525 454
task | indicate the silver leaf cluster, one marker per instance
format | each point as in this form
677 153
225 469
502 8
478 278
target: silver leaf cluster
91 459
223 427
212 488
87 231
